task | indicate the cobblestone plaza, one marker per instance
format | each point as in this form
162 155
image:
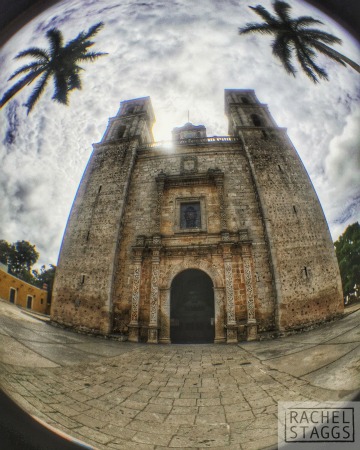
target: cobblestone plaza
122 395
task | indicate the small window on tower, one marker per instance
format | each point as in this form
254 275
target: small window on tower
121 131
256 120
245 100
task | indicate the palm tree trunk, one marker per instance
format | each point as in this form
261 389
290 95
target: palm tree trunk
343 58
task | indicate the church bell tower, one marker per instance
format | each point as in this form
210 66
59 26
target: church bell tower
300 247
83 292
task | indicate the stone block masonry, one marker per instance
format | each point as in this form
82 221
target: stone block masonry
238 211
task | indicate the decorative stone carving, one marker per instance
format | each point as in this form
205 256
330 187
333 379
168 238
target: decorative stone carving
194 263
156 240
231 333
135 293
154 296
225 236
249 291
164 337
154 291
140 241
230 306
189 164
244 235
135 298
250 302
219 315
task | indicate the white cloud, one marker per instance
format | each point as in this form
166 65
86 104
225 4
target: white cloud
183 55
342 175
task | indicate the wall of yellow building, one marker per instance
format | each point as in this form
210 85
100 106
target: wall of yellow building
19 292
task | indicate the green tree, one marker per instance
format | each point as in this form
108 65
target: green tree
347 249
58 62
293 36
22 257
5 249
45 276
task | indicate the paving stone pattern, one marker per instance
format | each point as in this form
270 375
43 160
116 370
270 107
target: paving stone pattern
139 396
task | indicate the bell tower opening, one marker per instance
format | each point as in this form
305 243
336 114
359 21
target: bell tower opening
192 309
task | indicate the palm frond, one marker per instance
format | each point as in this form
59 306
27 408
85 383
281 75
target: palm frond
74 82
321 36
294 35
76 68
330 53
282 10
83 37
37 53
56 40
94 29
304 21
281 49
253 27
36 93
309 66
264 14
305 67
26 68
91 56
58 62
18 86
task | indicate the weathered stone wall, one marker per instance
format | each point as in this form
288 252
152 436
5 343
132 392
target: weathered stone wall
309 287
241 211
263 239
304 265
83 288
83 284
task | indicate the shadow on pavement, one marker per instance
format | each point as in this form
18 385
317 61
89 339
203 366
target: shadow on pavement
19 431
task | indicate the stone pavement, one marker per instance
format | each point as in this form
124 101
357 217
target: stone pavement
119 395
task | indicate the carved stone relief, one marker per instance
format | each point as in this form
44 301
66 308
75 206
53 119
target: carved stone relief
189 164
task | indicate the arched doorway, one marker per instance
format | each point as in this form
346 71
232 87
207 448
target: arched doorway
192 317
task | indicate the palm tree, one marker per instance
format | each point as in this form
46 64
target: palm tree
59 62
294 36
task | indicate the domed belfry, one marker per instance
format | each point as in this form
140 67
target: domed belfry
212 239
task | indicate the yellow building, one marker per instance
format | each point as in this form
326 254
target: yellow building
20 293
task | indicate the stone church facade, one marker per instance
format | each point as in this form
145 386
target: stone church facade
214 239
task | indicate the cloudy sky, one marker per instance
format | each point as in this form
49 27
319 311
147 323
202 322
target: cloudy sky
182 53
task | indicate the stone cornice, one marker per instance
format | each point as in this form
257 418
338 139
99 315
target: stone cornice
212 176
193 141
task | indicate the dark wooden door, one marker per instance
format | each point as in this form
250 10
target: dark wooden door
192 308
12 295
